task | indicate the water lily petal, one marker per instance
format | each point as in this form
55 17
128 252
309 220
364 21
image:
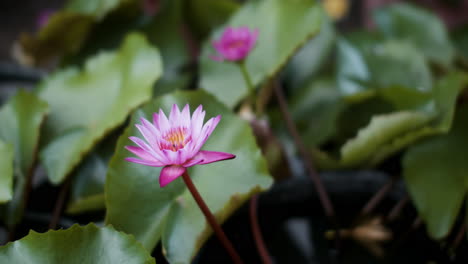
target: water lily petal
148 149
212 156
143 154
174 116
170 173
197 122
163 122
205 133
185 117
145 162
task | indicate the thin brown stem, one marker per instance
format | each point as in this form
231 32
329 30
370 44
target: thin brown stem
396 210
377 198
307 158
460 235
259 243
59 203
211 219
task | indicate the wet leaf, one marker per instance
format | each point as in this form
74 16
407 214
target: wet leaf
86 104
284 27
170 214
78 244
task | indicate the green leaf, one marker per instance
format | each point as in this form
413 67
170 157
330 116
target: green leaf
97 8
6 172
283 27
78 244
381 130
68 29
460 39
204 16
309 59
352 69
87 104
436 174
170 213
315 109
396 63
164 30
87 192
419 27
21 119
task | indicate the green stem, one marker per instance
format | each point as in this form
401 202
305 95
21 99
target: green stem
250 86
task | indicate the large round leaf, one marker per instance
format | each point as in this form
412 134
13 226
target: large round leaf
388 133
87 104
283 25
419 27
21 119
436 173
78 244
137 205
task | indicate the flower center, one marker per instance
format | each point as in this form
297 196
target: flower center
236 44
175 139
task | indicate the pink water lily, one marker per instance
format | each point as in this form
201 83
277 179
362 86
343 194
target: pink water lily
235 44
175 142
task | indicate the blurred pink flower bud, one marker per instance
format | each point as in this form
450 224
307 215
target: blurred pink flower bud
235 44
44 17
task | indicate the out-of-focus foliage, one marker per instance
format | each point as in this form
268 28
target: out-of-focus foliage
357 98
170 214
437 175
20 120
78 244
419 27
105 91
68 29
6 170
283 28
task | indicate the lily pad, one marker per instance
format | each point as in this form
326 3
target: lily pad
204 16
284 27
87 192
21 119
86 104
436 174
424 30
137 205
307 62
352 69
165 31
6 172
68 29
388 133
78 244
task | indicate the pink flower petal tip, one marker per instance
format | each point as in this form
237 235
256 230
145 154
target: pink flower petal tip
175 142
235 44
